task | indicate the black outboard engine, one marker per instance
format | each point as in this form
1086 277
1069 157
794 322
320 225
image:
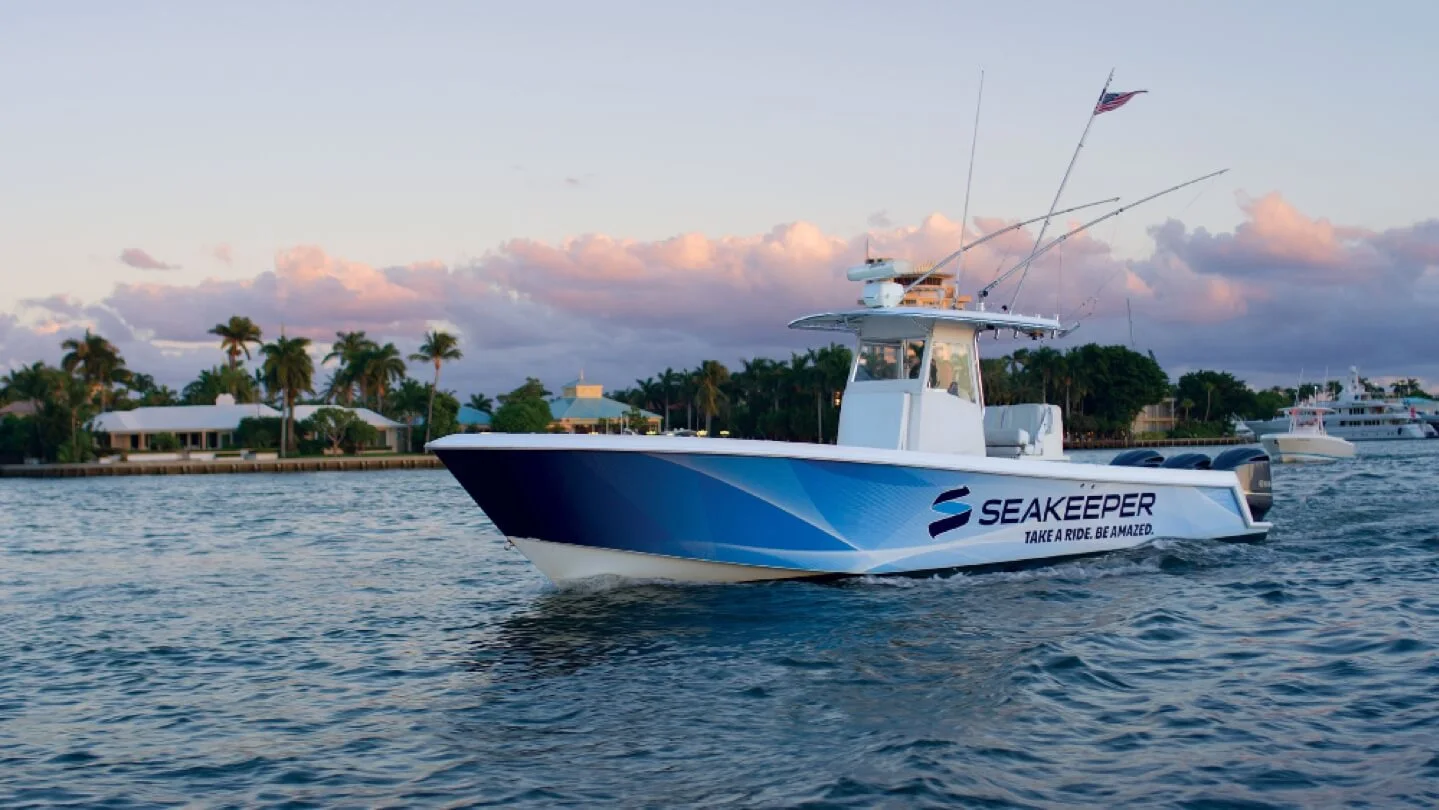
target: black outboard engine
1143 457
1251 464
1188 461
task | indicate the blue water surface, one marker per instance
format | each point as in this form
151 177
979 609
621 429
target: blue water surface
364 639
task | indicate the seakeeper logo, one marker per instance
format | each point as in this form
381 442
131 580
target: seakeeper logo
956 511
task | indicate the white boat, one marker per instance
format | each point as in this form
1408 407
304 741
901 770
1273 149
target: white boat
1306 439
1357 416
925 476
1425 410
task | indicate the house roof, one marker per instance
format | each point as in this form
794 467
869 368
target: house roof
366 415
471 417
179 418
591 408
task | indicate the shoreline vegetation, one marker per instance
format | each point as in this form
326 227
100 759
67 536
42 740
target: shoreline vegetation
1101 389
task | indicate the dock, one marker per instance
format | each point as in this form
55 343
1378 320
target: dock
223 466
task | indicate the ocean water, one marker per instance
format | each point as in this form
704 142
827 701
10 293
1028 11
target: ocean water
364 639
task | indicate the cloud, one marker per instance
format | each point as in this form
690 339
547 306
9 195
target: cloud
138 258
1283 291
880 219
223 253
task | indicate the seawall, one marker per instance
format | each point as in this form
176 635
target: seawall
222 466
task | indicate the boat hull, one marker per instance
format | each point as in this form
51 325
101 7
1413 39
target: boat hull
1291 448
732 511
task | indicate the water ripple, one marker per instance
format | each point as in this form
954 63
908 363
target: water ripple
366 639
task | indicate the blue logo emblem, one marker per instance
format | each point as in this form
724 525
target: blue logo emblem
956 512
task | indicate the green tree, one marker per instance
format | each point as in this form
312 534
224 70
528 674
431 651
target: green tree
289 370
437 348
213 382
236 335
482 403
97 362
523 410
1223 395
379 368
348 348
709 390
332 425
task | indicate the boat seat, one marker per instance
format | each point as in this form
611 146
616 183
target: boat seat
1022 430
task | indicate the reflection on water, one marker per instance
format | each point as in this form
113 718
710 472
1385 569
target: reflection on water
366 639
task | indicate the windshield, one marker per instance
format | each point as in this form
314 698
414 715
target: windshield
888 360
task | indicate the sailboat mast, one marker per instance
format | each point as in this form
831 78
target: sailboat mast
968 182
1093 110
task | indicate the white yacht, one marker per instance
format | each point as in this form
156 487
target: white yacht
1306 439
1356 416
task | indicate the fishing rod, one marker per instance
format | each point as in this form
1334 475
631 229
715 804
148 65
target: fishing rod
976 243
969 181
984 293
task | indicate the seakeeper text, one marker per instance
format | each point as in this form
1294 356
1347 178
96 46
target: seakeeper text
1007 511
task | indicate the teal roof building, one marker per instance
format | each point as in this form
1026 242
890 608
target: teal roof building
472 418
583 405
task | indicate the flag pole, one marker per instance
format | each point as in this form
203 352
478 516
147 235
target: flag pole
1093 111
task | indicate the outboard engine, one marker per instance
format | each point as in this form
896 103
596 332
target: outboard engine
1143 457
1251 464
1188 461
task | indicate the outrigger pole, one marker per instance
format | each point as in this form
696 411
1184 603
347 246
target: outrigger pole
1086 226
1093 111
976 243
969 181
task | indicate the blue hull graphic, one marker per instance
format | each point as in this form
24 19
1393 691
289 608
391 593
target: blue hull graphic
814 515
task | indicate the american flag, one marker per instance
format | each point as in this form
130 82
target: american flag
1113 101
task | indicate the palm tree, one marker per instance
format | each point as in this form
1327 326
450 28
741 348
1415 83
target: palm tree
236 337
347 348
670 381
377 369
709 382
98 361
30 382
289 370
437 348
482 403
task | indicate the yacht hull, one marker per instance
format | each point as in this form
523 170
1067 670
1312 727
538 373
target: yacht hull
1298 448
716 510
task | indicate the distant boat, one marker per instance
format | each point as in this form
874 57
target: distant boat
1356 415
1306 439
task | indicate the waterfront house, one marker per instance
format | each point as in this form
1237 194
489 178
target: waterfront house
584 408
198 427
389 435
1159 417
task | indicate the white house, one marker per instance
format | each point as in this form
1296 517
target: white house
198 427
391 434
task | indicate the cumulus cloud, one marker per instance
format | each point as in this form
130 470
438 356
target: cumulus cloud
880 219
139 259
1284 291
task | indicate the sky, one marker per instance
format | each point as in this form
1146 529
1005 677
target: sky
623 187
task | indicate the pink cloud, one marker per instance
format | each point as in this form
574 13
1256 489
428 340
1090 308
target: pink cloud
1261 298
223 253
139 259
